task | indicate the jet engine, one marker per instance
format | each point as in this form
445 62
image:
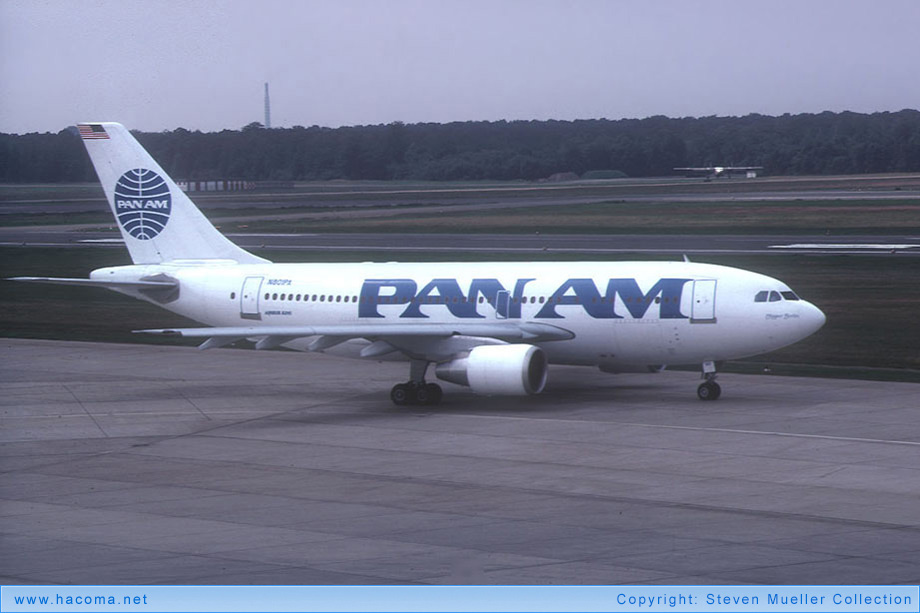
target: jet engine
505 370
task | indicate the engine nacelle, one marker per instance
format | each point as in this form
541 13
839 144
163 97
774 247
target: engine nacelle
506 370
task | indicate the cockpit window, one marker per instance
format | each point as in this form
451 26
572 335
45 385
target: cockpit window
775 296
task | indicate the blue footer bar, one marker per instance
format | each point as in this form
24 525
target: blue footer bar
287 598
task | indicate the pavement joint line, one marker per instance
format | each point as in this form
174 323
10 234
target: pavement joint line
241 412
192 402
850 439
85 410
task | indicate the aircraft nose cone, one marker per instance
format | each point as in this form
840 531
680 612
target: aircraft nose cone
814 319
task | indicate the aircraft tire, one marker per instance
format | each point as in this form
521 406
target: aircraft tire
422 395
400 394
435 393
710 390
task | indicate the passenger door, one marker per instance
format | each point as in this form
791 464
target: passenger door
703 309
249 298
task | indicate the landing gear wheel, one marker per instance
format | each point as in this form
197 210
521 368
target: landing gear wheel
434 393
709 390
411 393
421 395
427 394
400 394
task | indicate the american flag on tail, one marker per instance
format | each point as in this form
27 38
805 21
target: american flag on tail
90 131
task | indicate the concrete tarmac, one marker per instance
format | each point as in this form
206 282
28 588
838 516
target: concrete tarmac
158 464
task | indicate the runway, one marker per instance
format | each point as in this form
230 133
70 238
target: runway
590 245
158 464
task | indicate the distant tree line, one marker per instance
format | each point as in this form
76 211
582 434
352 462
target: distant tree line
824 143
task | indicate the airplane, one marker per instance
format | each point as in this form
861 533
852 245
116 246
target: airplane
714 172
492 326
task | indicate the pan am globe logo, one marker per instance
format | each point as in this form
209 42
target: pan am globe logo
142 203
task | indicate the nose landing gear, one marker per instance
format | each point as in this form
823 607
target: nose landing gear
709 389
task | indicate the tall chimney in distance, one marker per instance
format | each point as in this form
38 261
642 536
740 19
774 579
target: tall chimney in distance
268 109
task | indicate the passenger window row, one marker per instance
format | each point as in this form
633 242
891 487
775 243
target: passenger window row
440 300
311 298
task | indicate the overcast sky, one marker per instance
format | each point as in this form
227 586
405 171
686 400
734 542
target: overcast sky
202 64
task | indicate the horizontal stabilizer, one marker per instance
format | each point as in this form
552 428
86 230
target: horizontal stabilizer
164 284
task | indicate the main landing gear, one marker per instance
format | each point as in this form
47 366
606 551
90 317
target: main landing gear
416 391
709 389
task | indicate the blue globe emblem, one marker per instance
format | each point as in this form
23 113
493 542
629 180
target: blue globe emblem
142 203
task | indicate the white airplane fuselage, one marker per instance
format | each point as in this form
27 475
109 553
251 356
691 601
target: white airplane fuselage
700 313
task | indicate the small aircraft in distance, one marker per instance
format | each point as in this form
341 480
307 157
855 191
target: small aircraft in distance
491 326
715 172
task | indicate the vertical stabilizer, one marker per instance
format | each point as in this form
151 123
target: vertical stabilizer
157 220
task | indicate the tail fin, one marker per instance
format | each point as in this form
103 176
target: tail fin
157 220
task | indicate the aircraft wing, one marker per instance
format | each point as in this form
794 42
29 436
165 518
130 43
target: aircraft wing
411 338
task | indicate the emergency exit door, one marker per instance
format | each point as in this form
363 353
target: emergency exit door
502 304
